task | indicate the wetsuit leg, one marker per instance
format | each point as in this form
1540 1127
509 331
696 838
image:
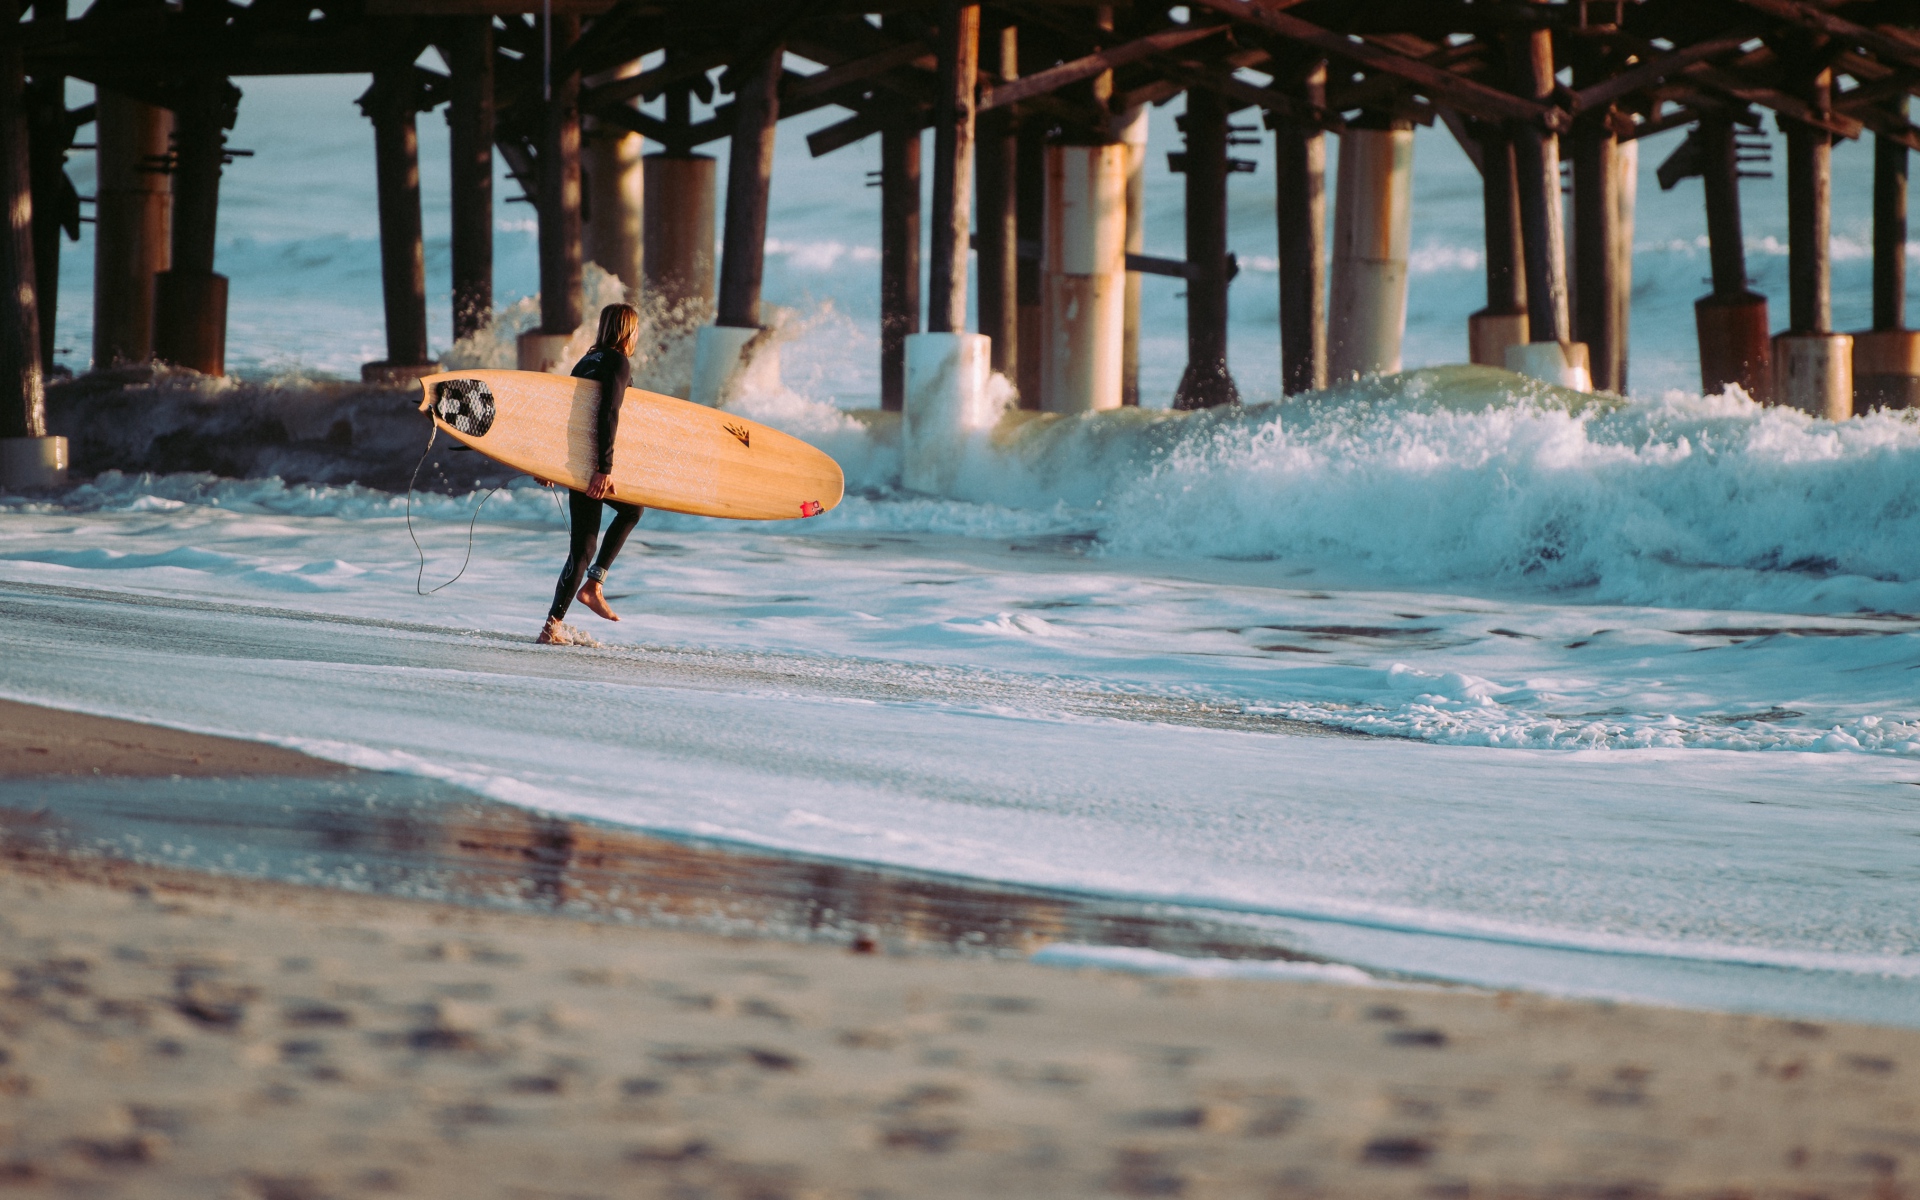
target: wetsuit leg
583 512
625 517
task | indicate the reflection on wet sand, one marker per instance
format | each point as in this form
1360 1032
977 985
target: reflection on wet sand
404 835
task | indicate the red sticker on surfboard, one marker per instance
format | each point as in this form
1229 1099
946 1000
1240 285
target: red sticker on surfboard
810 508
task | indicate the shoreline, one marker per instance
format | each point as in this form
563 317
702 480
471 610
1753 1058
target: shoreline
172 799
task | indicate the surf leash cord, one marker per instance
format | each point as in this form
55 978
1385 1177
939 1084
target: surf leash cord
420 576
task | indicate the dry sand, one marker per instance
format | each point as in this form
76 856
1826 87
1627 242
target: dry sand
165 1033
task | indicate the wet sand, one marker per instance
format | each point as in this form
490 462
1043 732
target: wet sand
38 742
165 1032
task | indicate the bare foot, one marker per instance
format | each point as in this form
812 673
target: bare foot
594 598
553 633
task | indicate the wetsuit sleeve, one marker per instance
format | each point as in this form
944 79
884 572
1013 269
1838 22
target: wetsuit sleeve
613 378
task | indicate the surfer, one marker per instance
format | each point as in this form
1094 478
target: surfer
606 362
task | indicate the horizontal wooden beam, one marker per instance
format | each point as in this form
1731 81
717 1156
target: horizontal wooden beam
1054 78
906 54
483 8
1673 120
1655 71
1890 46
648 84
1195 75
1890 125
1789 106
1441 86
1894 83
863 125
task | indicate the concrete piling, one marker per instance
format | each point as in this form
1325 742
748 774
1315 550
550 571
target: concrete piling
676 257
947 400
1083 280
134 213
613 188
1372 230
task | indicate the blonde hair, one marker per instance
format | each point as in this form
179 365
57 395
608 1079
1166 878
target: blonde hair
618 325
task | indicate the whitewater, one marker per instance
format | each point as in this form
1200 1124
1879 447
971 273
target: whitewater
1444 677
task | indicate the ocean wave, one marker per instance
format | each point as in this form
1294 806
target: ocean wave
1462 476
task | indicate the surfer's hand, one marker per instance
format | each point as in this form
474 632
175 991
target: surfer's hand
543 482
600 486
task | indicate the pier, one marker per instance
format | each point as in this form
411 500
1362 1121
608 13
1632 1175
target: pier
1038 140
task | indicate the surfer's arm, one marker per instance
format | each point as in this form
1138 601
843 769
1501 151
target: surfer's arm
613 389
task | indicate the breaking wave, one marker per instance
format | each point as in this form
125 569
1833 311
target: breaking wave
1462 476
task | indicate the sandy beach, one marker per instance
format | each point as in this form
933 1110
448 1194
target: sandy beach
173 1033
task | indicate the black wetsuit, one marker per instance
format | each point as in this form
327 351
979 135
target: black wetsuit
611 368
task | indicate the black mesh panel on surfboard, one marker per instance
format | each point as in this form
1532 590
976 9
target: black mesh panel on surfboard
464 404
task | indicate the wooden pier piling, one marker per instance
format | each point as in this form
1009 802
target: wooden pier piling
899 257
1886 358
953 134
391 104
749 176
1812 365
725 350
1599 314
561 307
1206 382
1502 324
1550 353
189 298
134 217
1131 130
1735 341
470 130
1300 211
1030 208
1056 156
23 410
997 209
48 135
28 456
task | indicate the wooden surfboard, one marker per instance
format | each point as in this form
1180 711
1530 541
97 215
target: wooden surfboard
667 453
